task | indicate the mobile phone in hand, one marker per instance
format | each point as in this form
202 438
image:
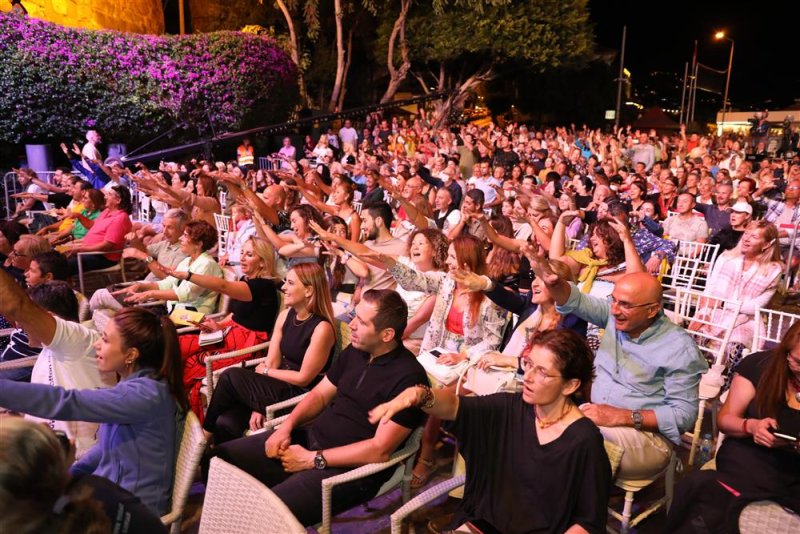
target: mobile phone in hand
778 434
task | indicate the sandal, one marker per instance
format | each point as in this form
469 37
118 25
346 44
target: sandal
417 480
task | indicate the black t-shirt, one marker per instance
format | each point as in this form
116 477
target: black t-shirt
727 238
515 484
125 511
361 386
59 200
258 314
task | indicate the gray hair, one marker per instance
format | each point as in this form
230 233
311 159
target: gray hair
178 214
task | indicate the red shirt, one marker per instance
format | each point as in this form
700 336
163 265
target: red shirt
111 227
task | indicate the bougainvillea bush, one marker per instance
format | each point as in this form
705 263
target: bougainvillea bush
56 82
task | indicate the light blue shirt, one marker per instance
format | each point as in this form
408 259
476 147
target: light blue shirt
660 370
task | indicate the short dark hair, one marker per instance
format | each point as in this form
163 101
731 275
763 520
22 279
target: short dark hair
56 296
574 358
391 310
477 196
381 209
203 233
124 198
53 262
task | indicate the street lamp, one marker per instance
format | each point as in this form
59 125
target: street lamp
719 36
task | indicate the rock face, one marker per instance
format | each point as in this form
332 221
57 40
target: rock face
215 15
138 16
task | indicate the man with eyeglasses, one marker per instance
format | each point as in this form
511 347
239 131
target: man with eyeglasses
645 395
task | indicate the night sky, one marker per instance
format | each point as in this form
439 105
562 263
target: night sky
661 37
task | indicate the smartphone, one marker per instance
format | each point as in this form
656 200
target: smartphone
436 353
779 434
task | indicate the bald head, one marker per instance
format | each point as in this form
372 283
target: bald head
275 196
636 302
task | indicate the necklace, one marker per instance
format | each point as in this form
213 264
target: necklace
544 424
301 323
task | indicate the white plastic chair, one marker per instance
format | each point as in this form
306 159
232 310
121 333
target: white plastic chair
237 503
144 208
704 253
613 451
715 329
683 273
572 244
224 224
770 327
193 443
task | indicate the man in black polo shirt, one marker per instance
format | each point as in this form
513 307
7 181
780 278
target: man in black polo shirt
329 432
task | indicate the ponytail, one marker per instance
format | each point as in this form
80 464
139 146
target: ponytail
172 366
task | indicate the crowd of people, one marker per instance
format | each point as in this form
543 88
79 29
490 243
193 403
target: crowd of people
504 283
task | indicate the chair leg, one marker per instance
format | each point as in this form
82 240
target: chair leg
626 512
80 274
697 427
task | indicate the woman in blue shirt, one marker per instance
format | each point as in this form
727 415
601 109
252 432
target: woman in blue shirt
141 416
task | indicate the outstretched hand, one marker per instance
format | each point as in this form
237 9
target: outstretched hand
468 280
622 229
322 233
383 413
540 264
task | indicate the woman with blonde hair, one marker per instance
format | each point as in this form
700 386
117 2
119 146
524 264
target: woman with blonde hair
300 351
749 273
253 308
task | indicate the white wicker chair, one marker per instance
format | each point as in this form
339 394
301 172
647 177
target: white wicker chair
631 487
711 343
114 269
237 503
767 516
402 461
613 451
210 381
19 363
193 443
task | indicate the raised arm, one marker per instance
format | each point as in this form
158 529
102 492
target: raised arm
16 306
237 290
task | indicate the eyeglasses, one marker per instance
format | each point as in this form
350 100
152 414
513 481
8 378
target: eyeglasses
539 371
626 306
18 254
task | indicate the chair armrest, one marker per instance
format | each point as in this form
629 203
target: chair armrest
19 363
273 408
99 252
426 497
226 356
269 425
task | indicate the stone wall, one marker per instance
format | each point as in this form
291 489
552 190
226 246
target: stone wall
138 16
215 15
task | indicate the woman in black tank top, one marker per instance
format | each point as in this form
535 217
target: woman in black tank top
301 349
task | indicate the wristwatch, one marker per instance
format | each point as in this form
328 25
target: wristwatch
428 399
319 461
149 259
636 415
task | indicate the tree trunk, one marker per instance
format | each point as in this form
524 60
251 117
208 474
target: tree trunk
397 75
294 51
347 63
337 84
443 108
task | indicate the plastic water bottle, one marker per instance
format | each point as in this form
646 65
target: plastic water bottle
706 450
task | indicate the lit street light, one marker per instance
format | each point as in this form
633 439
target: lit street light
719 36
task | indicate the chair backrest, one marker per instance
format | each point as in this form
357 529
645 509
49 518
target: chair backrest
572 244
357 206
410 448
683 273
223 223
144 207
709 320
224 301
193 443
770 327
237 503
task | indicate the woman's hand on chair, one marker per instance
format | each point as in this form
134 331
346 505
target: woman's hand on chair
256 421
494 358
452 358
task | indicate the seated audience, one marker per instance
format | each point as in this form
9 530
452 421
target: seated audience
253 308
740 217
197 239
106 233
686 226
139 416
92 205
329 432
38 494
644 416
753 463
300 350
534 461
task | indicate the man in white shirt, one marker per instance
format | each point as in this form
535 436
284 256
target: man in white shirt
348 134
287 153
686 225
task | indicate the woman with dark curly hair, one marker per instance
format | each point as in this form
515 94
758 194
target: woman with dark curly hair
197 239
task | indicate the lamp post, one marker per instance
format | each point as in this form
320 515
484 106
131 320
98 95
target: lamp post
719 36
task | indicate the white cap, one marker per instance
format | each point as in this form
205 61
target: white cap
743 207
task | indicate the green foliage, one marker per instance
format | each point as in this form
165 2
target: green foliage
55 82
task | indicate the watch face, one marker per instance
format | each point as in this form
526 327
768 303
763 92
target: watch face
319 461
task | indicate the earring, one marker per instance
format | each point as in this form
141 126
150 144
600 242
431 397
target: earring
129 363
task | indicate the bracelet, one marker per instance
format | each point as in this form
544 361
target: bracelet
346 257
189 276
744 427
428 398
